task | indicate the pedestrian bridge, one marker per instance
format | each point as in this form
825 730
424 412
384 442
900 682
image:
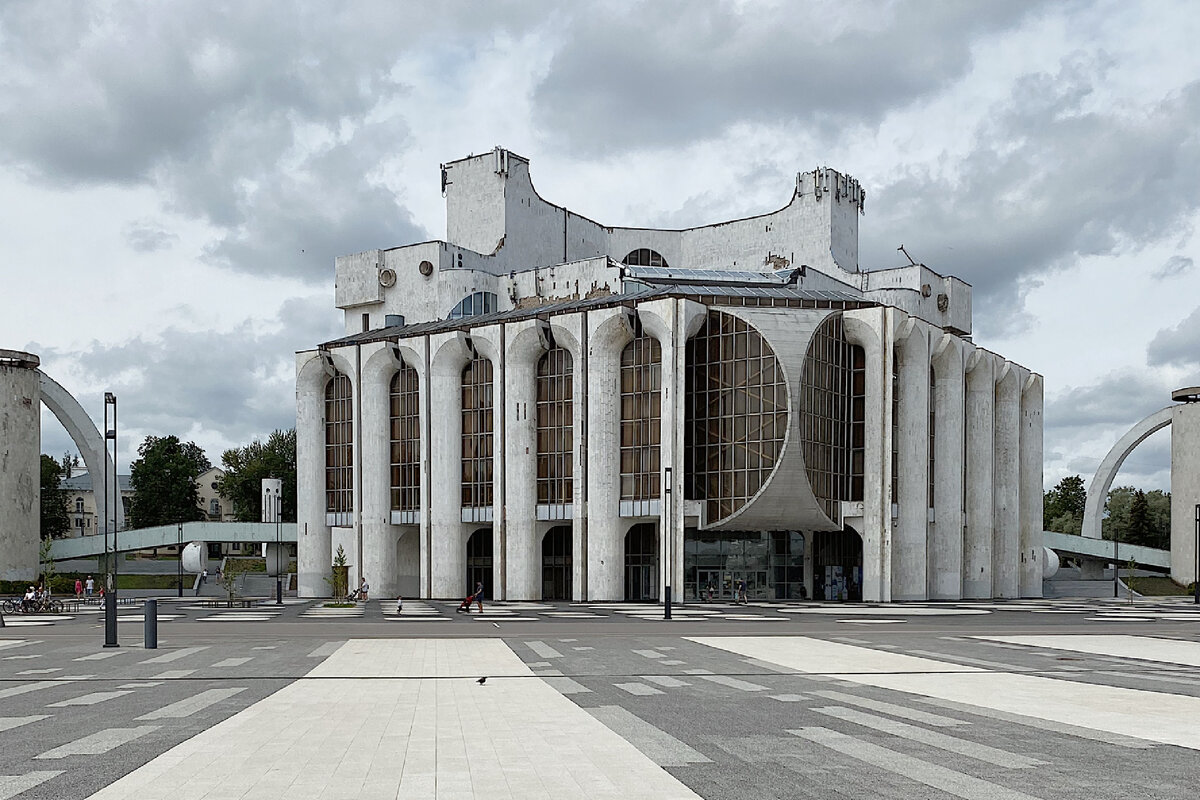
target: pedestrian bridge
1066 544
169 535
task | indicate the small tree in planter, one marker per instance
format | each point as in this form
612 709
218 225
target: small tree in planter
340 580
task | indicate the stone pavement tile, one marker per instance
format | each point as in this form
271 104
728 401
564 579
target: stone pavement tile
408 716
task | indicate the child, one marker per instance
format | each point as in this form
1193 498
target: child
399 605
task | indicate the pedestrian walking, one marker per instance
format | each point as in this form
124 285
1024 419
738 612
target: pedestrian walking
204 576
479 595
363 588
78 588
399 605
90 586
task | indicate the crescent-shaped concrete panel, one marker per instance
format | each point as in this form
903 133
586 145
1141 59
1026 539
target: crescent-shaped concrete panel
86 437
1102 481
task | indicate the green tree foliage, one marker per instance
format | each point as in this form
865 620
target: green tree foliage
163 482
245 468
1062 506
56 517
1138 517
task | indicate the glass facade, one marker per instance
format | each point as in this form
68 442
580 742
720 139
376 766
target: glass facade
833 416
554 428
405 451
339 449
477 446
475 304
641 418
736 414
769 563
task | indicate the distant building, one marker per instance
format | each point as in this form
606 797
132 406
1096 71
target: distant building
81 502
565 410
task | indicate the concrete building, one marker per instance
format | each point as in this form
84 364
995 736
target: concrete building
566 410
81 503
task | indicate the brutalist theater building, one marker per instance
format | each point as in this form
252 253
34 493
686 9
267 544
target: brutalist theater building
564 410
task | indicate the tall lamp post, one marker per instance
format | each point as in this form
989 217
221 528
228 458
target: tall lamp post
110 594
179 572
279 545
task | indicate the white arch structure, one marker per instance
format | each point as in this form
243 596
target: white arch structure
1102 481
87 438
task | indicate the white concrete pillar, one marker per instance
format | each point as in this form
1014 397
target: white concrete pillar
447 554
909 539
980 428
422 360
379 536
20 465
525 347
1185 489
313 548
946 537
870 328
1030 480
1006 531
608 333
491 343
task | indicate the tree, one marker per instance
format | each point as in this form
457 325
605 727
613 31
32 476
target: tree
1140 531
245 467
56 517
1062 506
1115 524
163 482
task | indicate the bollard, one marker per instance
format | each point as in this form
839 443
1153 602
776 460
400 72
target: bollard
150 616
667 604
110 620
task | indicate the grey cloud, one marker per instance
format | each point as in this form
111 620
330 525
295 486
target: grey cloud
1118 400
1047 183
146 237
661 73
1174 267
234 385
1178 346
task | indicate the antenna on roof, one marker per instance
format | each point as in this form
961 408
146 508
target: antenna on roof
906 255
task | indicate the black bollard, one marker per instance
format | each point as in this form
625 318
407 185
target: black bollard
110 620
667 604
150 617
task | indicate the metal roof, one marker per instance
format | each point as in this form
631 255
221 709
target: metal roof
635 292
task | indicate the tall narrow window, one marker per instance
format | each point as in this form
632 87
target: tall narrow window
405 451
554 429
737 412
932 432
339 450
895 428
477 446
833 416
641 416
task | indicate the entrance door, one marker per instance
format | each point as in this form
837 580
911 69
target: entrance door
479 562
556 563
641 563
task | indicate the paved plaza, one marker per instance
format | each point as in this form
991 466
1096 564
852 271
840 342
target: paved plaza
1032 699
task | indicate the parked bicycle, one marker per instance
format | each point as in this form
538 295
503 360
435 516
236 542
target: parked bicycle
18 605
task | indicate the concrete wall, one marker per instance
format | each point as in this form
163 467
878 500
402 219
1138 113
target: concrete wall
1185 489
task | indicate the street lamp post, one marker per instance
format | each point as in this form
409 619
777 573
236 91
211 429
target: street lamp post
1116 562
279 546
670 548
110 594
179 575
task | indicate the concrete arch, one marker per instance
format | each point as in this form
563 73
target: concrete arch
86 437
1102 481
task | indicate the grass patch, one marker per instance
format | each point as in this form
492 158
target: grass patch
1153 586
340 605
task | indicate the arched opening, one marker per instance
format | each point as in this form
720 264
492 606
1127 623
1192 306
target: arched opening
479 561
837 565
477 445
641 420
645 257
554 431
475 304
641 562
556 563
405 441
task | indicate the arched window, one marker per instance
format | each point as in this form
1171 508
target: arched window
554 428
214 507
475 304
78 505
641 416
339 451
645 257
405 443
477 448
737 412
833 416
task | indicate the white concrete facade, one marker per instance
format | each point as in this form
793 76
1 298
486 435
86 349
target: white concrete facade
957 517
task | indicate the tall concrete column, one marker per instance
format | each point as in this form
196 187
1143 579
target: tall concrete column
980 425
381 361
423 361
1006 531
491 343
447 555
1030 480
314 540
870 328
20 465
909 539
526 343
1185 488
609 332
946 538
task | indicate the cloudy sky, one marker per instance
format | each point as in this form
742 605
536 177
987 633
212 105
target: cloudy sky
177 178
